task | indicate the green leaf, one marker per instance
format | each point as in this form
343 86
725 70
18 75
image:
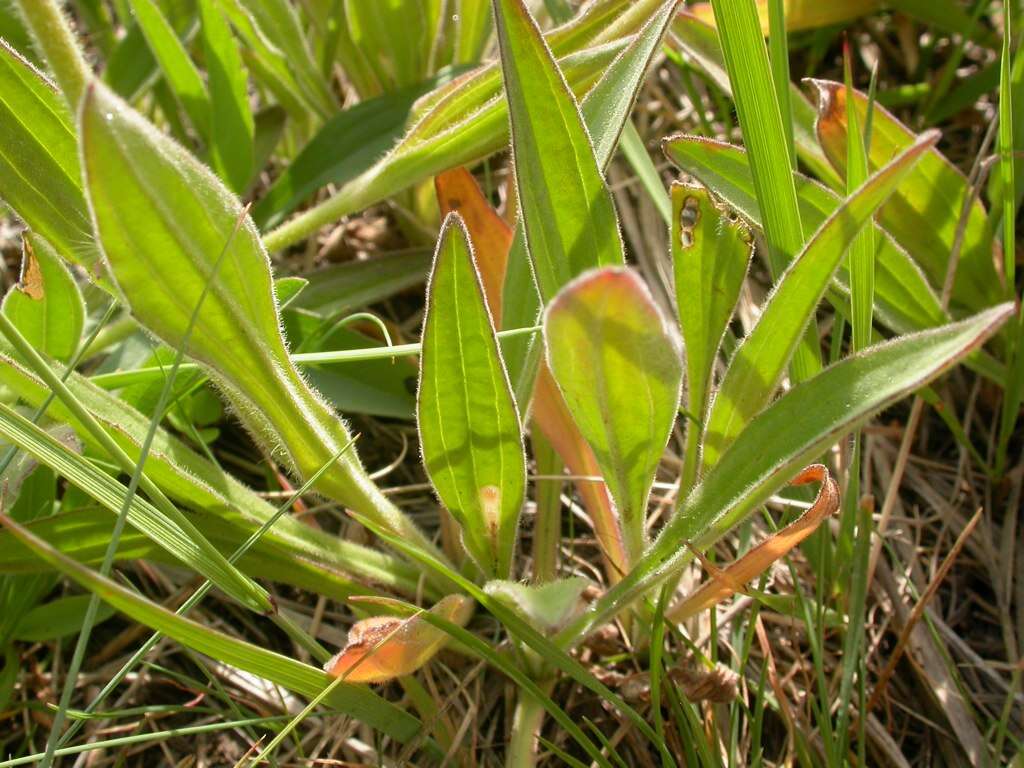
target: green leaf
548 607
617 361
57 618
757 366
904 300
357 701
567 210
924 214
46 305
352 285
231 126
760 118
179 72
396 38
784 438
469 427
710 254
287 289
162 216
39 171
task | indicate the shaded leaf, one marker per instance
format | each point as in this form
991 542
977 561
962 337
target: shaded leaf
57 618
548 607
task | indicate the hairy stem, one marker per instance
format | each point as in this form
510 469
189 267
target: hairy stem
56 42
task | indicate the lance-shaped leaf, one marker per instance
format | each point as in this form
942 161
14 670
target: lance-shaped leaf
163 219
469 427
786 436
46 305
618 364
757 367
567 210
904 300
924 214
382 648
39 171
710 254
724 583
358 701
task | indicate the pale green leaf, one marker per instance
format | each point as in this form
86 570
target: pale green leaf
618 364
548 607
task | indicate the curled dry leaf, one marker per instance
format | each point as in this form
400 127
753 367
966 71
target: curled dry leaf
726 582
385 647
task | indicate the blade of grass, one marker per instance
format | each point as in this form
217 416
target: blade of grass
761 120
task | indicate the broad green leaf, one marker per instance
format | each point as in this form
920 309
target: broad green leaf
567 210
358 701
469 427
194 481
757 366
56 618
785 437
904 301
163 217
46 305
179 72
548 607
710 254
231 126
618 364
39 171
382 648
924 214
287 289
760 118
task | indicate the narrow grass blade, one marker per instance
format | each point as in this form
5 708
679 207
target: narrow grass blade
308 681
618 364
710 256
567 210
757 367
469 427
231 128
179 72
46 305
784 437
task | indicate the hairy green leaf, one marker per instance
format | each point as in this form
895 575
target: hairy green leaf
469 427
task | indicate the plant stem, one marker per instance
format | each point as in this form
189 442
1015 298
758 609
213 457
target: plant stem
56 41
526 725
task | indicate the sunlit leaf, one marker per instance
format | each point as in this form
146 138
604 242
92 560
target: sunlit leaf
382 648
618 364
469 427
548 607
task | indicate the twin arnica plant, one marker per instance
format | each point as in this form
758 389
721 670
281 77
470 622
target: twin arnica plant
597 431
